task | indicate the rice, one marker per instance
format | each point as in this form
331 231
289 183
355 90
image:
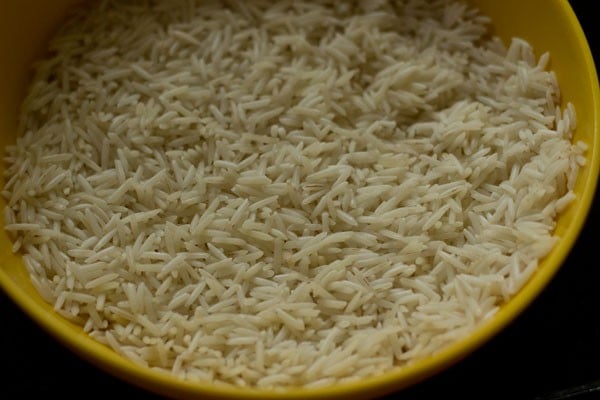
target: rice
250 192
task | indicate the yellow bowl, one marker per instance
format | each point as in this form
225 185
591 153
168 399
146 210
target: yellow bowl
549 25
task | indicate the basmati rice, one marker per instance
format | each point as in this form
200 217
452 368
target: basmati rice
250 192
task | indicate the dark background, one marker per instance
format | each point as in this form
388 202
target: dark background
552 347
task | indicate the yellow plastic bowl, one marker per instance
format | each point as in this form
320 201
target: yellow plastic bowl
549 25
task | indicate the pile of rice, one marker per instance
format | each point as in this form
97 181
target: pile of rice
278 193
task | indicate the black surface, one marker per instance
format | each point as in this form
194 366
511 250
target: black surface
552 347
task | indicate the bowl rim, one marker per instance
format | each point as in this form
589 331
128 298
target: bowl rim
395 379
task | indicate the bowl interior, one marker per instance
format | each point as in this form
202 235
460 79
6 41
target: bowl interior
549 25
